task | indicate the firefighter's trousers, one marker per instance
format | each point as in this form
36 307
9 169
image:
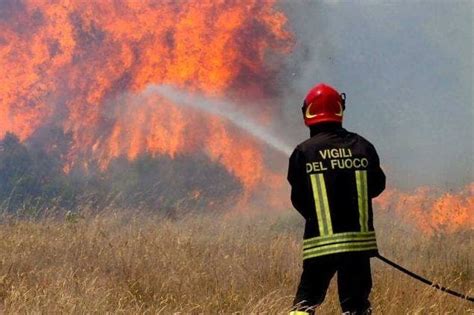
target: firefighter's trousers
354 282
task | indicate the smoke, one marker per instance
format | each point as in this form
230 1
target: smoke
223 109
407 69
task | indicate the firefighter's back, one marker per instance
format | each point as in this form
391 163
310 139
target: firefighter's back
339 167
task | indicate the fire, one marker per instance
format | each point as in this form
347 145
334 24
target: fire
431 210
81 66
74 63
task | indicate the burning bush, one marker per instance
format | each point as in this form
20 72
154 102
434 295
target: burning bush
32 183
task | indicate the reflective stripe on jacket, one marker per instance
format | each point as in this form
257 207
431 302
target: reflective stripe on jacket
334 175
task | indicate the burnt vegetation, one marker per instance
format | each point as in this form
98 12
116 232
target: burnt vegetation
33 182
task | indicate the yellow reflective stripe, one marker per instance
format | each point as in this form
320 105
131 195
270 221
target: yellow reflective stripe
362 197
317 204
339 248
348 244
321 204
339 237
344 234
298 313
325 203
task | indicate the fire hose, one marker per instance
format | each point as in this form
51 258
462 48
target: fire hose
424 280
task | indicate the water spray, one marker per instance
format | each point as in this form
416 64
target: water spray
224 109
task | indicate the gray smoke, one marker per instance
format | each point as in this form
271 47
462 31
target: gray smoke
407 69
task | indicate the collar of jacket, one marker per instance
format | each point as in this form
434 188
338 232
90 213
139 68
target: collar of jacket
324 127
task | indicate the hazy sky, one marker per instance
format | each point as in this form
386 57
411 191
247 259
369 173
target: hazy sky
407 69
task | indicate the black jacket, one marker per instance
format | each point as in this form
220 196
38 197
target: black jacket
333 176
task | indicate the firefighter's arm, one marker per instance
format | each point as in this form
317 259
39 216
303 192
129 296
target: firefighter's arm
297 180
376 177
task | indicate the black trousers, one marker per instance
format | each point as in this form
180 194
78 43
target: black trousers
354 282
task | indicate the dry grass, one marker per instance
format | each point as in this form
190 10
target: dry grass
137 264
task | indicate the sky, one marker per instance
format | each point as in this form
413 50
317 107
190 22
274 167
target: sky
407 69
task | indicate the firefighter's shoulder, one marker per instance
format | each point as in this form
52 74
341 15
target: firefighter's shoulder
362 140
311 144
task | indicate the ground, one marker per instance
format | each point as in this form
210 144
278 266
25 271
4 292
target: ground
233 263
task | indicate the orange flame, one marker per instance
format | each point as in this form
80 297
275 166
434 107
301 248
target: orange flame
431 210
79 65
70 63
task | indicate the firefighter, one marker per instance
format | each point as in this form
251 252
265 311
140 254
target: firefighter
333 177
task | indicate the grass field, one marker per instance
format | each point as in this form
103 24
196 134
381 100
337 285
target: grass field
126 263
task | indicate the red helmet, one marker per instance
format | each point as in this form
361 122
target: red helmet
323 104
